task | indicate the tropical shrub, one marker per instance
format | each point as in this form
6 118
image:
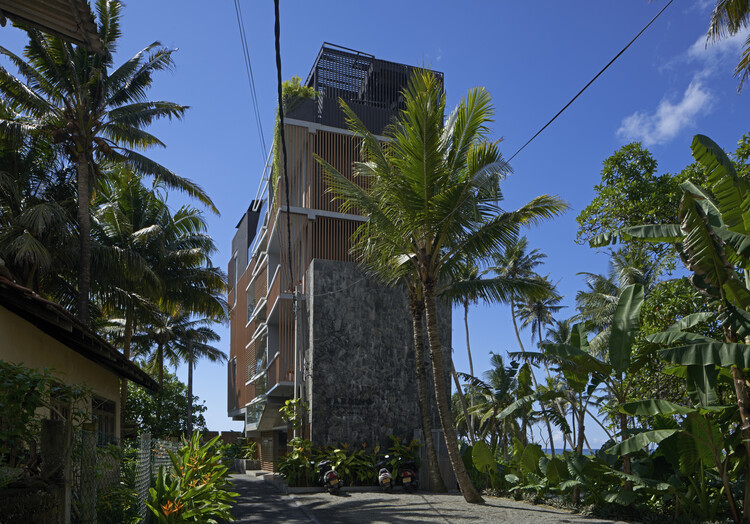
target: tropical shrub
196 489
298 465
24 390
242 448
354 466
293 410
120 502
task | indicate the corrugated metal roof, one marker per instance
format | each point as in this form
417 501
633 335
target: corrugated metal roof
71 20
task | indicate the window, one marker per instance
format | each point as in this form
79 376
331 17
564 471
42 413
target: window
103 411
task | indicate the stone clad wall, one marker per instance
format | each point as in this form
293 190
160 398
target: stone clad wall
361 380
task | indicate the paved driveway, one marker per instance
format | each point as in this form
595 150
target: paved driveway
261 502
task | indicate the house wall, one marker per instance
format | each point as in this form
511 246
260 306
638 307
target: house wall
361 383
23 343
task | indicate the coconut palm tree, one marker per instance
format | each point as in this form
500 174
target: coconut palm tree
128 219
597 303
433 195
515 263
93 111
161 262
469 286
197 346
728 18
495 393
36 212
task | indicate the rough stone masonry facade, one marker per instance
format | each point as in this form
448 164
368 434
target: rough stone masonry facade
360 372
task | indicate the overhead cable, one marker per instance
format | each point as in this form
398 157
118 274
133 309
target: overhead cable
591 81
250 77
277 32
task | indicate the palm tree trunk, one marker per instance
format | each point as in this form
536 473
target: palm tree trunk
160 372
190 388
127 339
471 364
556 402
576 496
84 238
464 407
533 376
441 396
433 467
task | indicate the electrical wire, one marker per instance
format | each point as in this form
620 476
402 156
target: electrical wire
591 81
277 33
507 162
250 77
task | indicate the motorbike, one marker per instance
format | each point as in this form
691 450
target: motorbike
329 478
409 478
385 479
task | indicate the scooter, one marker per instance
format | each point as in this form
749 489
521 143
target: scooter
409 478
329 478
385 479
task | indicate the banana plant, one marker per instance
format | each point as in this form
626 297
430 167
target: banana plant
580 366
713 240
695 446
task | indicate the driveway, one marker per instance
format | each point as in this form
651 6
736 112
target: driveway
259 501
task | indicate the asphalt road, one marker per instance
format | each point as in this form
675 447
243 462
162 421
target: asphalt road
259 501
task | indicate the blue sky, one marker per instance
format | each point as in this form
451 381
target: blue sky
531 57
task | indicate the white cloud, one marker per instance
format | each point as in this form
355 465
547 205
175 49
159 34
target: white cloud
669 119
702 5
722 50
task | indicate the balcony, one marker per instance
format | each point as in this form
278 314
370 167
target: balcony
274 290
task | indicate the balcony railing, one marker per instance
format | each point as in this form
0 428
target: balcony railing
274 290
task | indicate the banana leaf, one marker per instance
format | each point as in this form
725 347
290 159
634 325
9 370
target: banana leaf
652 233
652 407
692 320
640 441
672 337
625 327
731 191
724 354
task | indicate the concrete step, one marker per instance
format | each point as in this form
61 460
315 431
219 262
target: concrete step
258 472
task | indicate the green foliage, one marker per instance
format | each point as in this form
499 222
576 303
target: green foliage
631 193
120 503
167 418
482 457
242 448
298 464
196 489
668 302
354 466
292 93
293 410
24 390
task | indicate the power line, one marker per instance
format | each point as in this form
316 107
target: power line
592 80
250 77
277 32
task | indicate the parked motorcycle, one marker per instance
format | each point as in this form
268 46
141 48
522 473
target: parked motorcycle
409 478
329 478
385 479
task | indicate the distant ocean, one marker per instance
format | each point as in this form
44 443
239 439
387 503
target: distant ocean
560 450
